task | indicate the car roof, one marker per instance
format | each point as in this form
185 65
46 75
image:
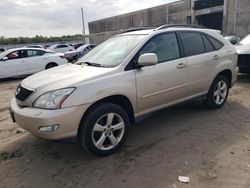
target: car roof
23 48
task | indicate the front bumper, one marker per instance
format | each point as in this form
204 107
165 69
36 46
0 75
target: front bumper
31 119
244 63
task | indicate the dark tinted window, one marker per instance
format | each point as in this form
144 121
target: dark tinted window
217 45
165 46
62 46
33 53
193 43
209 47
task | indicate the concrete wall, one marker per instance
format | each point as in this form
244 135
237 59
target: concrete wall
238 17
171 13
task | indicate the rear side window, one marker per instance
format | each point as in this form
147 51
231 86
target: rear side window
165 46
62 46
192 43
208 45
33 53
217 44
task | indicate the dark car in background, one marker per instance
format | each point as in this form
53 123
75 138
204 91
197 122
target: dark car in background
74 55
2 49
234 39
243 50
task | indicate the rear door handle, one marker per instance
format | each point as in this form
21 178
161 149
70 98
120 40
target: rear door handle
216 57
181 66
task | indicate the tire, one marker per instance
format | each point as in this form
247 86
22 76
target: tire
218 93
110 133
51 65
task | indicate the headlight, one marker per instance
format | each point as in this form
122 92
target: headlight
53 99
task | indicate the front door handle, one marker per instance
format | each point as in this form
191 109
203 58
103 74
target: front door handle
181 66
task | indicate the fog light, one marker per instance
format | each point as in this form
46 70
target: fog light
49 129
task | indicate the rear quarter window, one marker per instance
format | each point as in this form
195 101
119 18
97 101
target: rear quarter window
216 44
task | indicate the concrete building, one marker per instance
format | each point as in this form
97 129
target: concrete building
230 16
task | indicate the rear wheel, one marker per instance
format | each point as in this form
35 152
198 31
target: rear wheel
218 93
51 65
104 129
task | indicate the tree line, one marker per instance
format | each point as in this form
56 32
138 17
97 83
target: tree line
39 39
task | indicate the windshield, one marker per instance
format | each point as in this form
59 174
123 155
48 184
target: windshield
81 48
3 54
245 41
112 52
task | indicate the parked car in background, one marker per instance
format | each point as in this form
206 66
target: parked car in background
243 50
61 48
234 39
2 49
79 52
127 76
26 61
34 46
77 45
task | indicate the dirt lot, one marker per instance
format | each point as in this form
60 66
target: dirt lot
210 147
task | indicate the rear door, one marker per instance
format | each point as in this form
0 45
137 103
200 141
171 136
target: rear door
36 60
16 65
166 82
202 59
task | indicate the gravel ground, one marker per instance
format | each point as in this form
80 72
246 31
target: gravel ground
210 147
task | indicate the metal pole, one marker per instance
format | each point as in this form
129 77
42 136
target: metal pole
83 27
235 17
83 24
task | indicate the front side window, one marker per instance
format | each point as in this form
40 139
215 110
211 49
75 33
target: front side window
17 54
165 46
193 43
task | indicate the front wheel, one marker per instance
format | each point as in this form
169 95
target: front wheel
218 93
104 129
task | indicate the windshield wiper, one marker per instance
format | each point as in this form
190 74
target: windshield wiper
92 64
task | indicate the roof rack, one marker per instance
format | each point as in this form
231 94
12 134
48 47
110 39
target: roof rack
137 29
180 25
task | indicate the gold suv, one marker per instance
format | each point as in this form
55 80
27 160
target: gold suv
125 77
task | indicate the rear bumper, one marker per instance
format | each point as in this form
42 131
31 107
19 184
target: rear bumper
234 75
31 119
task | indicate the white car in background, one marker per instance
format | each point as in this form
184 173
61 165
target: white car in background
27 61
61 48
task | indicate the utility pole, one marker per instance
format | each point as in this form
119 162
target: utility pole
235 16
83 25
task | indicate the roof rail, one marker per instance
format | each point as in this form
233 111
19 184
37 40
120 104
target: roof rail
137 29
180 25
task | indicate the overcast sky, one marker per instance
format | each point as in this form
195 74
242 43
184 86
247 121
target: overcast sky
60 17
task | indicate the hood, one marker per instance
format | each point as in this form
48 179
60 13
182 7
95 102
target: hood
68 75
243 49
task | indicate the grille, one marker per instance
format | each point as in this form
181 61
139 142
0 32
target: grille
23 93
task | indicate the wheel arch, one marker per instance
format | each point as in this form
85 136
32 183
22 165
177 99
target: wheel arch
228 74
120 100
50 63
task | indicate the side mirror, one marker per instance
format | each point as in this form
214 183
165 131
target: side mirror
148 59
4 58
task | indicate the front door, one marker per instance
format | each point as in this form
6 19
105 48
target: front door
166 82
15 65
